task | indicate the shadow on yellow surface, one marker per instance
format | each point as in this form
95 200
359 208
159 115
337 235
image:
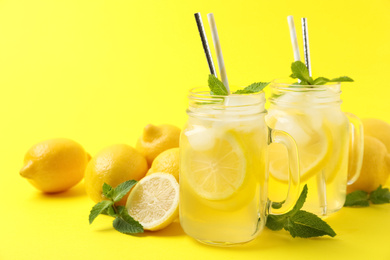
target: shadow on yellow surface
271 240
173 229
75 191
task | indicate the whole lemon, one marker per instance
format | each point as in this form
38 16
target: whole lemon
375 168
378 129
55 165
167 162
156 139
113 165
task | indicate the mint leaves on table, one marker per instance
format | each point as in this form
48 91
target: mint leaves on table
218 88
298 222
300 71
361 198
123 222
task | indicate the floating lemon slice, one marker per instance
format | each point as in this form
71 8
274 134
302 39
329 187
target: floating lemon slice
154 201
313 154
217 173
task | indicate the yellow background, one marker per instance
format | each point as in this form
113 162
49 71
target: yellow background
98 71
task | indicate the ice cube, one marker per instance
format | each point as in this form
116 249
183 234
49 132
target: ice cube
201 138
293 127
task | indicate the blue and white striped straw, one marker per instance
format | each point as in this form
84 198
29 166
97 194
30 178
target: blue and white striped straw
293 35
218 50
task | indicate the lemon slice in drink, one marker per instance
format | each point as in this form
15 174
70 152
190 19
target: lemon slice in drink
339 153
154 201
314 154
215 174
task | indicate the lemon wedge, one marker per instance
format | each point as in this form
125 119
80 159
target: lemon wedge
217 173
154 201
314 154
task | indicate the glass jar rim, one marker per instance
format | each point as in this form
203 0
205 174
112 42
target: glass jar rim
285 84
203 94
205 91
201 100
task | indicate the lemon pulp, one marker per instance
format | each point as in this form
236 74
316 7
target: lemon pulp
216 173
154 201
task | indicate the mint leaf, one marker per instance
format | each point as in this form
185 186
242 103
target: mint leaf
98 209
342 79
253 88
298 222
277 205
124 223
300 71
361 198
107 191
305 224
380 195
298 85
301 200
357 198
216 86
320 81
276 222
110 211
122 189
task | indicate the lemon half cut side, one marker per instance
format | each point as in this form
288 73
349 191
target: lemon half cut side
154 201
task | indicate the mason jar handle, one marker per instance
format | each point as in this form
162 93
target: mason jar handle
356 147
281 137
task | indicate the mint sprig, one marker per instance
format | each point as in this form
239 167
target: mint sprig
218 88
300 223
123 222
300 71
361 198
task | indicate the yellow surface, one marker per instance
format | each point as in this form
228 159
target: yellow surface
98 71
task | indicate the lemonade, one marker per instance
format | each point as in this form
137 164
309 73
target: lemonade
312 116
223 168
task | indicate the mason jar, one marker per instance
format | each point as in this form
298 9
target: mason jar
324 134
224 167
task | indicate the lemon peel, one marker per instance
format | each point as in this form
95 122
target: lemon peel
55 165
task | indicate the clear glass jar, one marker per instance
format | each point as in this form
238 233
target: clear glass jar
313 117
223 167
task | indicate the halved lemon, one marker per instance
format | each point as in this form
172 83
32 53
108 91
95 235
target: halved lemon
217 173
314 154
154 201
